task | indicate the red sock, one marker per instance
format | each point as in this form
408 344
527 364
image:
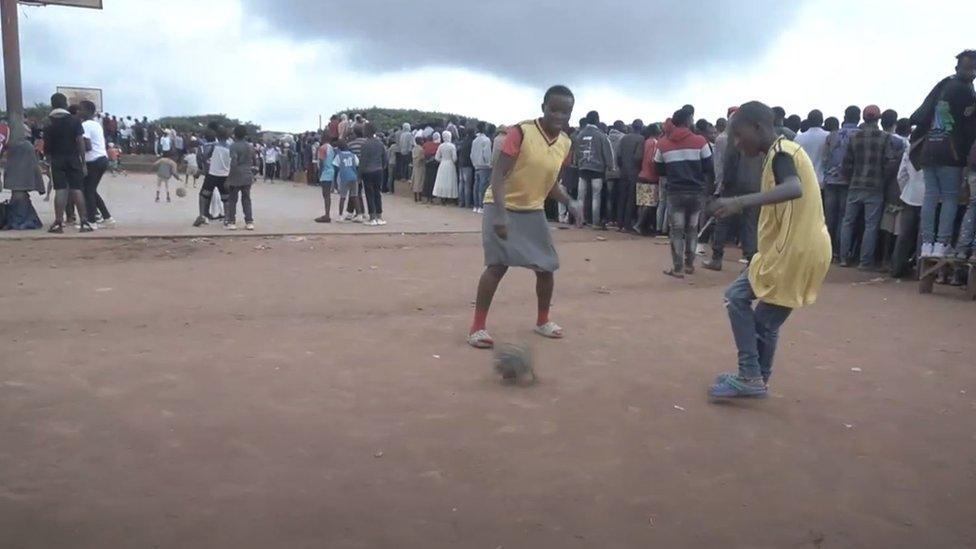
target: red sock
480 319
543 317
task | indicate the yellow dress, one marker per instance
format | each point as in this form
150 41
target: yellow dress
794 245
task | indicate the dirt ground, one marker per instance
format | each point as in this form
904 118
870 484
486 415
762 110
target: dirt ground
317 392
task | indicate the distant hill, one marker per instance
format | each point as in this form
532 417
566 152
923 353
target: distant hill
388 119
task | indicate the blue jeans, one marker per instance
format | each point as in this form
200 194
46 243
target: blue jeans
466 187
941 185
968 230
482 176
835 202
872 202
755 330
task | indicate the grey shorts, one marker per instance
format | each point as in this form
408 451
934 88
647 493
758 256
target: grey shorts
348 188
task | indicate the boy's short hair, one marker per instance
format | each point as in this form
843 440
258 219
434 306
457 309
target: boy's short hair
240 132
342 145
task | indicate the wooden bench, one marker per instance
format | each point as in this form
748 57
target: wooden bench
929 268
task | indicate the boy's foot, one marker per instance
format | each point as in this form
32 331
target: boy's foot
701 249
719 378
71 220
939 250
200 220
713 265
380 222
481 340
550 330
249 226
323 219
734 386
231 226
108 223
676 273
87 228
845 263
157 197
689 269
926 250
57 228
168 199
348 217
357 219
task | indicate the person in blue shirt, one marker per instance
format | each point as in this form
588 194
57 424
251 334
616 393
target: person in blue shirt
327 156
348 179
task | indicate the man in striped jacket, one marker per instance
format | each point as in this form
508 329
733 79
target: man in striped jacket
685 158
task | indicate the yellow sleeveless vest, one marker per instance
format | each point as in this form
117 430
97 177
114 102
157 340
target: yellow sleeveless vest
794 245
536 169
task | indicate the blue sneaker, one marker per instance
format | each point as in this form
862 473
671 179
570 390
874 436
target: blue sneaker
721 377
733 386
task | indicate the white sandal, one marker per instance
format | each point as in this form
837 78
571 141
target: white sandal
550 329
481 340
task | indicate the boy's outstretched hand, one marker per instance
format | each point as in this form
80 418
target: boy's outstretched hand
724 207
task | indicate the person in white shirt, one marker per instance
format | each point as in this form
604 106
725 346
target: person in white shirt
912 184
165 144
271 155
814 142
481 160
217 153
96 159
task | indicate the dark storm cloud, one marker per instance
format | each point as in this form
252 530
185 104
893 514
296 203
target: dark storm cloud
539 41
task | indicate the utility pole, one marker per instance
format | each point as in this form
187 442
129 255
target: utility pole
11 69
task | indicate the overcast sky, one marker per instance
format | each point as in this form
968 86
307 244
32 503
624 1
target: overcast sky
281 63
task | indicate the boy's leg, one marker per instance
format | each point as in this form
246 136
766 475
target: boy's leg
950 181
487 286
596 184
851 211
677 222
544 285
968 230
692 216
327 198
246 204
769 319
742 317
873 211
230 210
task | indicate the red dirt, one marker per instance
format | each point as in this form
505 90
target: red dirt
319 394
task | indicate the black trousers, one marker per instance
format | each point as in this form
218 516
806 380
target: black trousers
93 201
373 181
627 200
745 226
907 242
211 183
245 198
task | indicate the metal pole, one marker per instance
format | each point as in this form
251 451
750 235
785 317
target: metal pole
11 69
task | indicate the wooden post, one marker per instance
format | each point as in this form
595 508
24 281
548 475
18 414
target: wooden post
11 69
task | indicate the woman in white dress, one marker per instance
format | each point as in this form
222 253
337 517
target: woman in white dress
446 184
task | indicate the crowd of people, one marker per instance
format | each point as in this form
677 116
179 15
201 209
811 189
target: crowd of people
892 186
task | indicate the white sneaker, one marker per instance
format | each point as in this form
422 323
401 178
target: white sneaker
701 250
474 210
926 250
938 250
380 222
109 223
481 210
357 219
249 227
230 227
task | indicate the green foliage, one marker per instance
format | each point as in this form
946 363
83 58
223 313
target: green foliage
386 120
38 112
196 124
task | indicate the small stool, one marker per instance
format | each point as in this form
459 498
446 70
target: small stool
929 268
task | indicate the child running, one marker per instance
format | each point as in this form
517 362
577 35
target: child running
166 169
348 177
794 250
515 232
192 168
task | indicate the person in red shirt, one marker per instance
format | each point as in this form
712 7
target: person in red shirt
647 179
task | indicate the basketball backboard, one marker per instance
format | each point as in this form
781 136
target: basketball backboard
93 4
76 95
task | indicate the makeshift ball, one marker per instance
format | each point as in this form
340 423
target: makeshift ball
514 363
181 192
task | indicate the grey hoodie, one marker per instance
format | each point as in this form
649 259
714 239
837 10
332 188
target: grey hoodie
405 141
592 151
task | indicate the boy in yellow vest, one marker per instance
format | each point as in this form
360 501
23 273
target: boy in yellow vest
794 250
515 232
